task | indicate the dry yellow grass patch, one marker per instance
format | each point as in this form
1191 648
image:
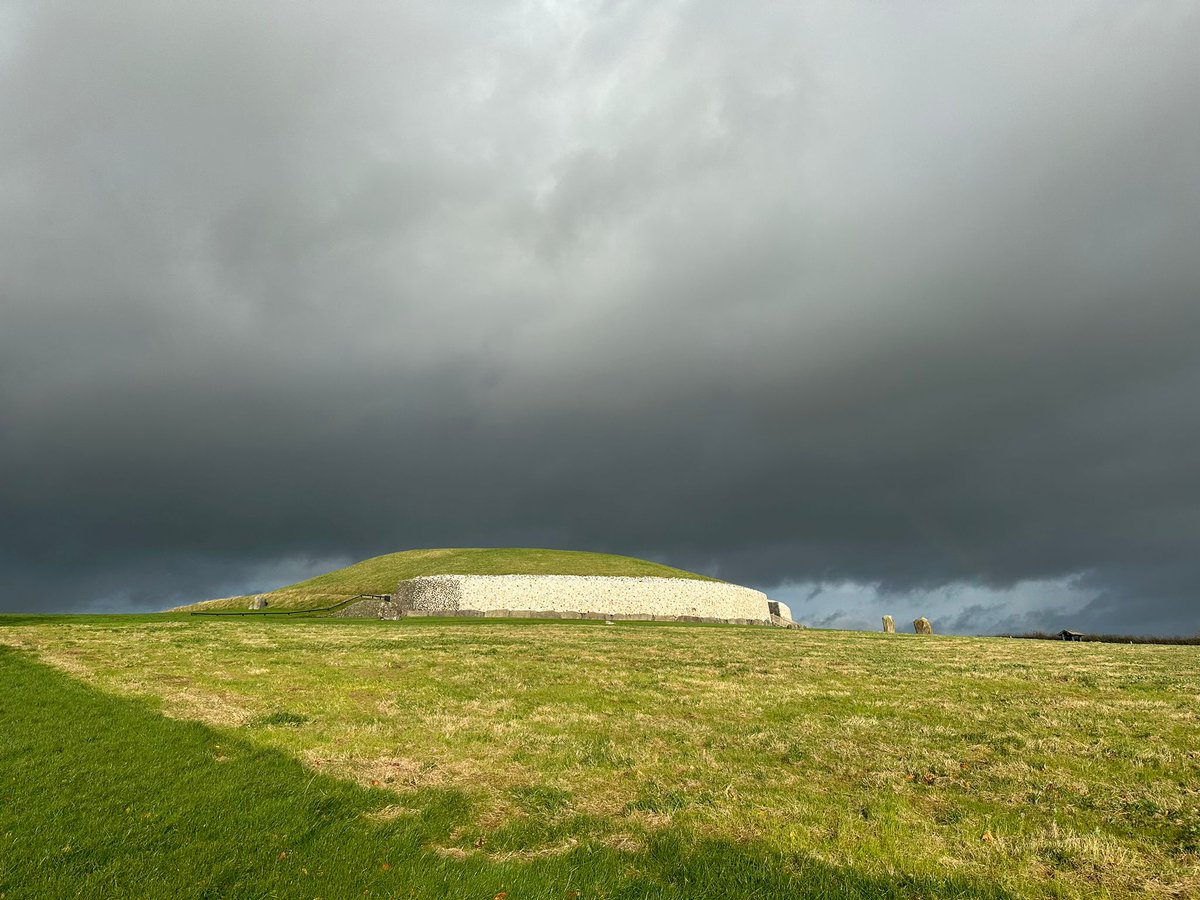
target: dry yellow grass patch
391 813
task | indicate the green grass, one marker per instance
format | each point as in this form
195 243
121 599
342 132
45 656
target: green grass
479 756
380 574
105 798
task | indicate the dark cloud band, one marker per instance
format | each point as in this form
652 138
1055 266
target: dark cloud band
838 300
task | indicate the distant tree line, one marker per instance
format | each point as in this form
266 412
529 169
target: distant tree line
1111 638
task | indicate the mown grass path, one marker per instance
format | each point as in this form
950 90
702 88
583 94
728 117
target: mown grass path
470 758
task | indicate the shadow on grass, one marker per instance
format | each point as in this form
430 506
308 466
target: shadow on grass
103 797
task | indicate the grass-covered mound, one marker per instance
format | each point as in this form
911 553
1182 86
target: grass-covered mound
380 574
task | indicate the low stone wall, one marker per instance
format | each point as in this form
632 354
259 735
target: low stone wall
581 595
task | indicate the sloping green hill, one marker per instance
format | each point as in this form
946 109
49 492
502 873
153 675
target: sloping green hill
380 574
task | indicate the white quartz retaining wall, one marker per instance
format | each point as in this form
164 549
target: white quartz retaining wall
659 597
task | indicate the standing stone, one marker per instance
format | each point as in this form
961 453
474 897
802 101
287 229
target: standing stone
259 602
889 626
922 626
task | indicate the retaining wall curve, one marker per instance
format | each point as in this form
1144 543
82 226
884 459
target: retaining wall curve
659 598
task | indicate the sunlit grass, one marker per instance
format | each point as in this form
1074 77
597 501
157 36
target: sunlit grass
1035 768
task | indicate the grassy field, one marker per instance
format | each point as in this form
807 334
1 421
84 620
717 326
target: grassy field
380 574
475 758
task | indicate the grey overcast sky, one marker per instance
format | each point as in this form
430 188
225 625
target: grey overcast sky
880 307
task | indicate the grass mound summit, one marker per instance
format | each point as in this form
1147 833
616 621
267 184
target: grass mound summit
380 574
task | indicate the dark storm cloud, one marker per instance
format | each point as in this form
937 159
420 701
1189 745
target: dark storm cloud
904 300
